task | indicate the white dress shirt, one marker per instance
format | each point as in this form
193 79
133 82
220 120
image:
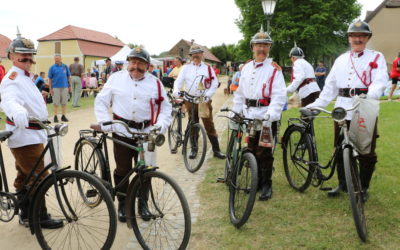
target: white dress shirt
130 100
301 71
251 82
191 75
346 73
21 96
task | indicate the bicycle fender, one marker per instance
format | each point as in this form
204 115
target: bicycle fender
90 139
288 128
128 201
34 197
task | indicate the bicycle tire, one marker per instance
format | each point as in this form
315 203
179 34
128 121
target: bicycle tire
229 156
86 224
173 133
95 167
193 165
239 218
355 192
179 213
293 159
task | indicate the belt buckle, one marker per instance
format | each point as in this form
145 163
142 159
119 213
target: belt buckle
131 124
258 103
352 90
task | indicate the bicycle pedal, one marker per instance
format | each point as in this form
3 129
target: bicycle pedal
220 180
325 188
91 193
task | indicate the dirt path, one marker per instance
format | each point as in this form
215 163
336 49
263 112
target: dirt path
14 236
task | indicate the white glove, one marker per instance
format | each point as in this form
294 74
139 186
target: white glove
156 128
21 120
267 117
107 128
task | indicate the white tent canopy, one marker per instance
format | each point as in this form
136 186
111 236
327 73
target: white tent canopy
121 56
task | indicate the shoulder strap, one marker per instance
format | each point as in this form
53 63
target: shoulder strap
207 82
158 102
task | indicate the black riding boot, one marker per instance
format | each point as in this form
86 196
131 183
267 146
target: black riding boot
23 209
142 202
342 187
194 147
46 221
215 147
266 185
367 168
121 198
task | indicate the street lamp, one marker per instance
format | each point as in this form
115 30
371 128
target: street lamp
269 8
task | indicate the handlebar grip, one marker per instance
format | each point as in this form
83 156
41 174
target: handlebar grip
107 123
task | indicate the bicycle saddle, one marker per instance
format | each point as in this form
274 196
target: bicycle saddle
305 112
5 134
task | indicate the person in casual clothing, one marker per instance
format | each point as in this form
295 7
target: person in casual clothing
59 78
20 99
108 69
394 75
119 65
261 95
76 70
177 69
2 71
236 78
199 80
216 70
320 73
151 70
347 78
303 78
134 94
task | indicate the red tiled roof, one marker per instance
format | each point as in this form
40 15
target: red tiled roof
4 43
385 3
97 49
72 32
207 54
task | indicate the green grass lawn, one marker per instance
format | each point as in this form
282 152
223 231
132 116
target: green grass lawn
309 220
84 103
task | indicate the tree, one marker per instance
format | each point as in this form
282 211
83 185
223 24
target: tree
132 45
317 26
226 53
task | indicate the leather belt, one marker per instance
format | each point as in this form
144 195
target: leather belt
257 102
133 124
31 125
305 82
349 92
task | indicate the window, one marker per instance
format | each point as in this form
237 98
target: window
57 48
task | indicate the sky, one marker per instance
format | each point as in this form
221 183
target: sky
156 24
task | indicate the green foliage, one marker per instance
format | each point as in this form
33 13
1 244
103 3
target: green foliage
225 52
132 45
317 26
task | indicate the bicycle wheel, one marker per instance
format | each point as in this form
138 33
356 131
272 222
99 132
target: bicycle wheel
169 225
90 159
355 192
84 227
243 189
229 156
297 158
195 141
174 134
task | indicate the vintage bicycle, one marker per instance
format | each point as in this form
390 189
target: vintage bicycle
83 226
169 224
302 166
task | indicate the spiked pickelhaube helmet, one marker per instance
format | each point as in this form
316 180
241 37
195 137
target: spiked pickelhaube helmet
359 27
139 53
21 45
261 37
296 51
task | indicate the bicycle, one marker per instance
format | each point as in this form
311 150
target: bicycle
83 226
241 170
301 164
193 140
169 225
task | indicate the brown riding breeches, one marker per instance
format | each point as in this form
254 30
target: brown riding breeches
25 159
208 122
310 98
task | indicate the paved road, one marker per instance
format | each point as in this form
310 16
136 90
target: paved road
14 236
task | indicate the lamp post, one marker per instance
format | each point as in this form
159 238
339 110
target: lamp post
269 8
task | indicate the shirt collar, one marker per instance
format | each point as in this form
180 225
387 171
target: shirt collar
197 65
357 55
20 71
260 64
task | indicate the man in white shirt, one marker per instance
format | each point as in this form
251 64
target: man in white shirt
20 98
358 71
139 99
199 80
303 78
261 95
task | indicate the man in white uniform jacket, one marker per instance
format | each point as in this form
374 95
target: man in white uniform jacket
303 78
139 99
20 98
261 95
358 71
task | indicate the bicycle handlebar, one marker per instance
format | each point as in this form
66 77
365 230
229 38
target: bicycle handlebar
240 116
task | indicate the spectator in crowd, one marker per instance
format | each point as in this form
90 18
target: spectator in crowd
2 71
76 70
35 76
395 75
119 65
216 70
320 73
96 71
92 84
85 83
108 69
158 72
39 82
177 69
59 78
169 69
235 79
151 70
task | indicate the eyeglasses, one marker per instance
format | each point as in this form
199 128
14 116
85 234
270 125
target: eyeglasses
359 35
